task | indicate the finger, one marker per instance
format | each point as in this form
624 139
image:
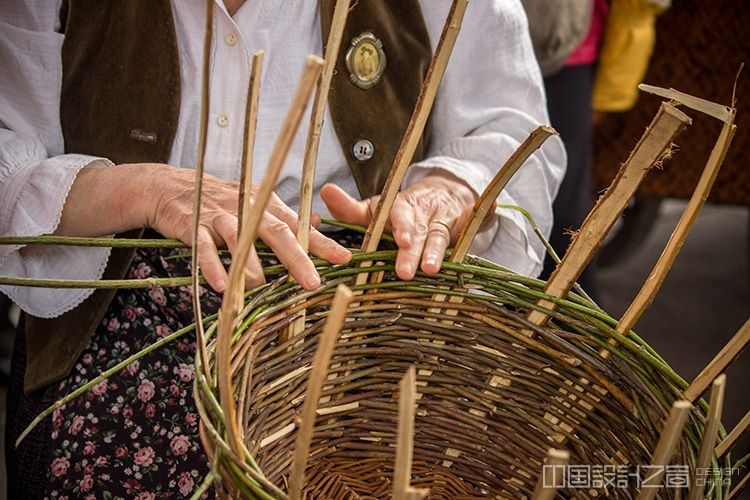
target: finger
209 262
254 276
327 248
438 240
345 208
408 257
403 222
315 220
279 236
225 226
320 245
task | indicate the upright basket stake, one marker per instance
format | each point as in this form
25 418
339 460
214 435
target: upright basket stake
710 435
251 122
739 430
719 364
327 342
233 298
414 130
340 13
200 334
553 474
665 448
669 121
402 490
652 284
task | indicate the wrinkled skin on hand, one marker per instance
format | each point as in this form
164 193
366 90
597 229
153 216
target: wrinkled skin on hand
425 220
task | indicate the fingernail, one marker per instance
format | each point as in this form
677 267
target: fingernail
221 284
431 261
312 281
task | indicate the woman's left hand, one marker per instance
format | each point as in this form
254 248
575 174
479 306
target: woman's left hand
425 220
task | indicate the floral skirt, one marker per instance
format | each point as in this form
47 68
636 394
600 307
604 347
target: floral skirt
134 435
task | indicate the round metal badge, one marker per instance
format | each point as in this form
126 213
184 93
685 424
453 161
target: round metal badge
365 60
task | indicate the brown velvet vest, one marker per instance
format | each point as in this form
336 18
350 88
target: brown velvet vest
120 99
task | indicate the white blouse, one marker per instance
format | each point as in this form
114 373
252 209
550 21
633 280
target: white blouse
491 98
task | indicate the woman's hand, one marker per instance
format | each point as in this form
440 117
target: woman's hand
115 199
425 220
172 214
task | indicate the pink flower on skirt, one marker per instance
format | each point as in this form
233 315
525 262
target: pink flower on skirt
130 313
146 390
157 295
57 418
144 456
180 445
132 368
146 495
150 410
60 466
89 448
86 483
100 389
76 426
185 483
185 372
113 325
163 330
121 451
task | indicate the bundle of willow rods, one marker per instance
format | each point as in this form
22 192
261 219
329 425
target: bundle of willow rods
492 400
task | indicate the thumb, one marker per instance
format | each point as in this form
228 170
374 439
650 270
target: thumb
343 207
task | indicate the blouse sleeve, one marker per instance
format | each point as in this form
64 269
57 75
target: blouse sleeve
35 175
490 100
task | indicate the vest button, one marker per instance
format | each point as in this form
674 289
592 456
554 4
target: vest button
363 150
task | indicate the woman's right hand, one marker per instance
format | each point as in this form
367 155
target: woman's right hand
161 197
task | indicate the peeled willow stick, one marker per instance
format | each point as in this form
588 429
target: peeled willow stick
668 122
402 489
483 205
318 375
719 364
553 474
735 434
251 123
652 284
665 448
741 486
200 334
335 35
710 435
414 130
234 295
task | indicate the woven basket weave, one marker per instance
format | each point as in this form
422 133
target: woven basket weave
492 399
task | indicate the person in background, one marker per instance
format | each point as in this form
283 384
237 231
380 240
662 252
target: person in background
593 54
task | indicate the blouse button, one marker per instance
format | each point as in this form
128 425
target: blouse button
363 150
223 120
231 38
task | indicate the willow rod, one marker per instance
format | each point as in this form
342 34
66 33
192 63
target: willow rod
233 298
321 362
335 35
668 123
416 126
199 169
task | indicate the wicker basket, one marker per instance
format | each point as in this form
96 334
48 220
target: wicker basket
493 399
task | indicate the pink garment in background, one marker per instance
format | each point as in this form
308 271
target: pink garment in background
588 50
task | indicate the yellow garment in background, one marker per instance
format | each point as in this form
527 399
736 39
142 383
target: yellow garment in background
626 49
